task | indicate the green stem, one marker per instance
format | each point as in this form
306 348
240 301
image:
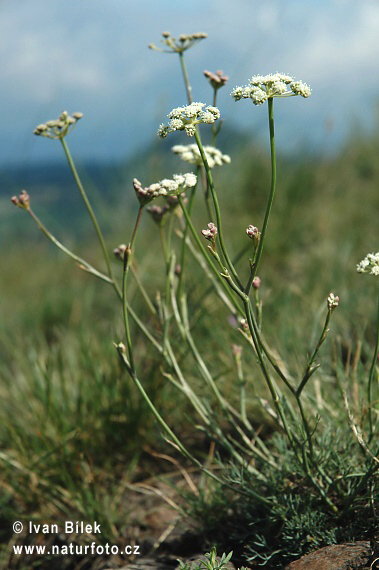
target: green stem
178 443
205 254
89 208
82 263
273 184
372 375
309 370
185 77
127 258
217 210
184 241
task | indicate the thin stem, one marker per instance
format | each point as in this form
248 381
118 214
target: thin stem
127 258
309 370
177 443
205 254
217 210
89 208
185 77
372 375
273 183
82 263
143 290
184 241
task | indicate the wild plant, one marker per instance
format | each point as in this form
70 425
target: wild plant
287 400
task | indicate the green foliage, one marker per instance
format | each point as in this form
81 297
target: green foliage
210 562
297 521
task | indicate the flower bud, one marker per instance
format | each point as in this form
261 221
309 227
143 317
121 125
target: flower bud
211 233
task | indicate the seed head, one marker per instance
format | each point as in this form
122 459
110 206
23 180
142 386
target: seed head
58 128
174 45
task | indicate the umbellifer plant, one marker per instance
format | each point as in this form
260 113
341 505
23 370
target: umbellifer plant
288 405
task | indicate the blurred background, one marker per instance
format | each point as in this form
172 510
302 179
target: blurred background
66 409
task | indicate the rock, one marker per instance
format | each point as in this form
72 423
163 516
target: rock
350 556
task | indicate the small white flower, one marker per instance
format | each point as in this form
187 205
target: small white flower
300 88
176 124
208 118
370 264
163 131
190 180
258 96
215 112
190 130
175 113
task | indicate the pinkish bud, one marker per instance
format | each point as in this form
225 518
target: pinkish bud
217 79
256 282
211 233
253 232
23 201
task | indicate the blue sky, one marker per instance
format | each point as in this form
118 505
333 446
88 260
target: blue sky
92 56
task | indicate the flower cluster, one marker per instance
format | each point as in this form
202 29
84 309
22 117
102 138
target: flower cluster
190 153
332 301
184 42
211 233
58 128
217 79
166 187
370 264
186 119
23 201
263 87
253 233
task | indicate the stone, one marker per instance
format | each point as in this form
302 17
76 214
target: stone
350 556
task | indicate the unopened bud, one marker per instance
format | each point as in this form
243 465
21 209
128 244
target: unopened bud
333 301
119 252
211 233
256 282
253 233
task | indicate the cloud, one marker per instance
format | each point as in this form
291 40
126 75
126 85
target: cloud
92 56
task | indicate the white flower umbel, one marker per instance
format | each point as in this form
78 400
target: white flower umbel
186 118
167 187
263 87
190 153
370 264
